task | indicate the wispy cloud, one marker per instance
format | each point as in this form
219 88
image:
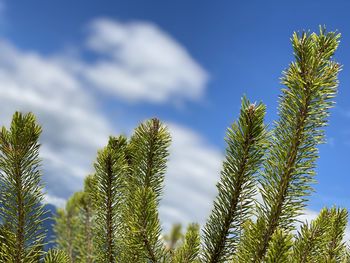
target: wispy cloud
142 63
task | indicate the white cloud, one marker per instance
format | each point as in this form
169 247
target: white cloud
142 63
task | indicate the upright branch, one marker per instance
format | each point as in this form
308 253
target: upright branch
335 248
311 84
310 241
280 248
189 250
322 240
56 256
86 220
21 189
173 238
246 144
66 227
7 241
148 151
110 169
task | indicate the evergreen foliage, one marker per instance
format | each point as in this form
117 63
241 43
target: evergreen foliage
148 150
74 225
279 250
246 143
322 240
310 239
56 256
189 250
21 190
173 237
111 168
66 227
6 242
85 244
311 84
115 217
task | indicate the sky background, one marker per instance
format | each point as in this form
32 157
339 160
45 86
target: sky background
89 69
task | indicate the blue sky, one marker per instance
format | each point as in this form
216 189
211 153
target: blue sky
93 68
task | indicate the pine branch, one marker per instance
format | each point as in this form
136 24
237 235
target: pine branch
86 222
335 248
7 241
246 143
174 237
250 240
311 84
66 227
310 241
148 152
56 256
144 227
111 170
189 250
280 248
346 256
21 189
322 240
